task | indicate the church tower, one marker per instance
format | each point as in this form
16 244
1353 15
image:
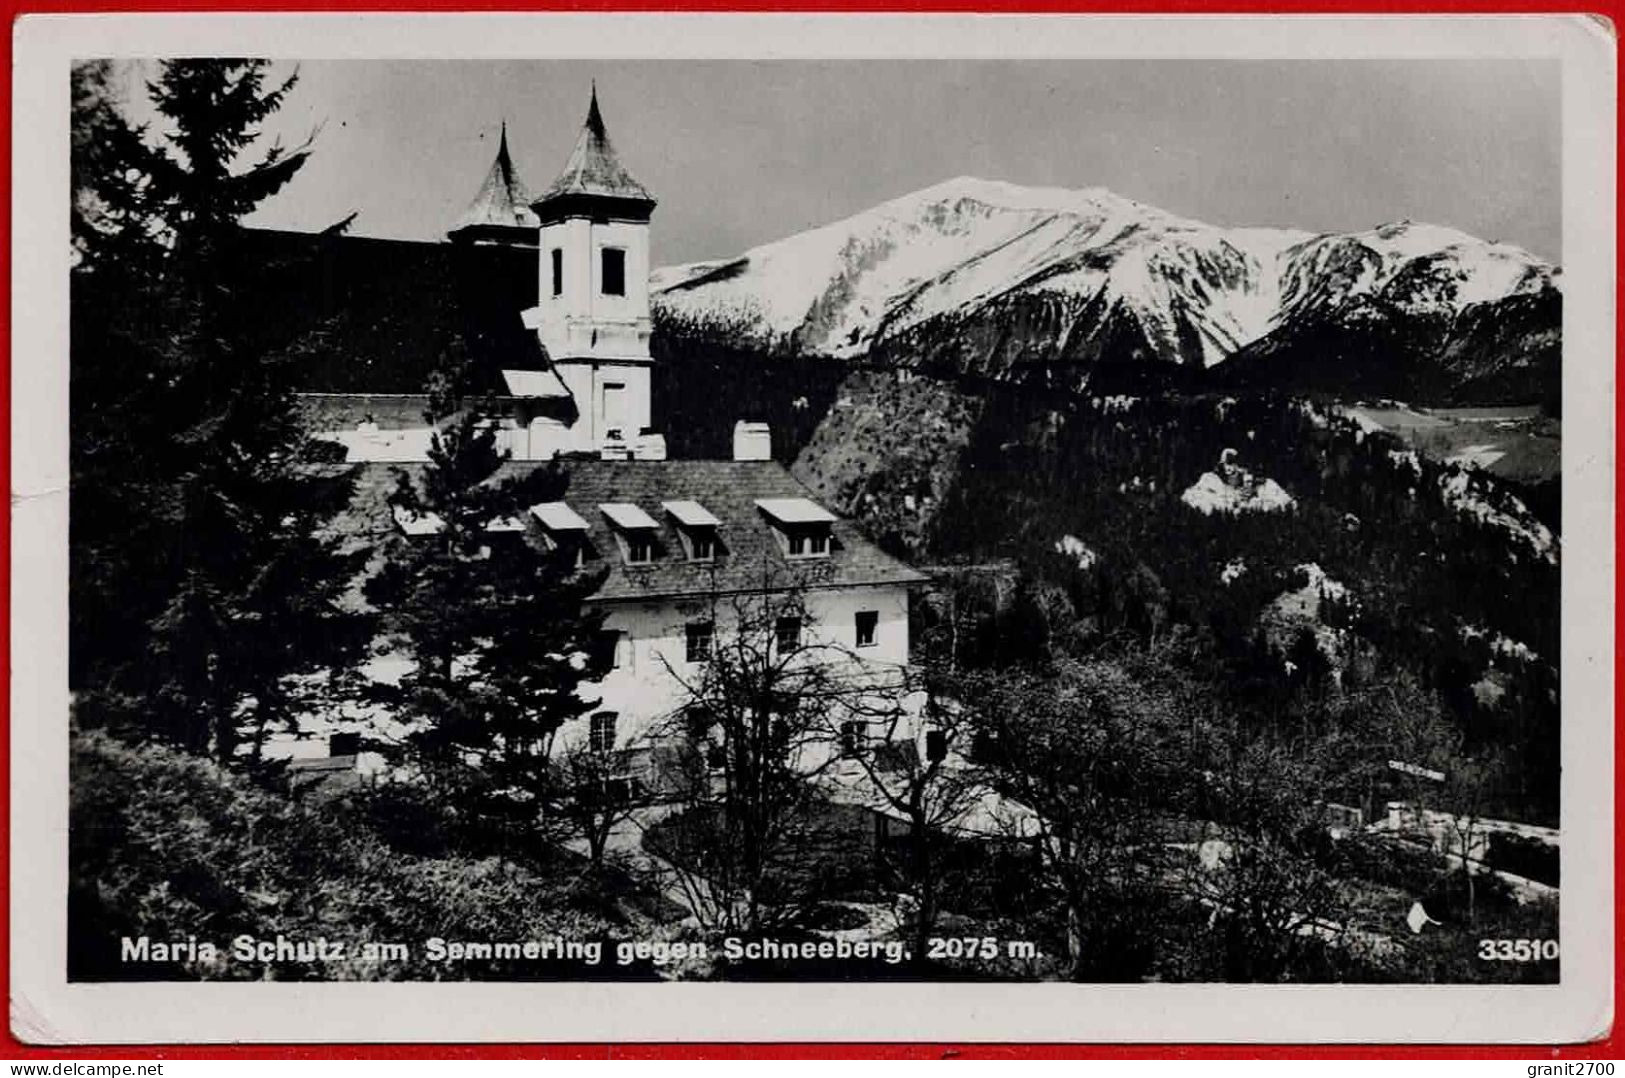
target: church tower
592 313
501 212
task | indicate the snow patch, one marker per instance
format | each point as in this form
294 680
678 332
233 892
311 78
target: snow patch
1317 418
1114 404
1501 644
1321 584
1233 489
1366 424
1406 458
1469 492
1233 570
1210 494
1512 649
1477 456
1076 549
1293 611
1487 691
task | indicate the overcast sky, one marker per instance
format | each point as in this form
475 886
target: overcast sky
741 153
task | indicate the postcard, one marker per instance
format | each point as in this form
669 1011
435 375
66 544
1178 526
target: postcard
660 527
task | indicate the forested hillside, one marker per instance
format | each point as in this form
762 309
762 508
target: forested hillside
1372 559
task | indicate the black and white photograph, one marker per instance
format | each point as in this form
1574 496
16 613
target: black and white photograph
973 520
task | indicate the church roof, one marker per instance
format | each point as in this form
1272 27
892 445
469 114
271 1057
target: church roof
593 169
503 201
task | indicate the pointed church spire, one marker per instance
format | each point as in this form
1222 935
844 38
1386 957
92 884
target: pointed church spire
595 119
595 173
501 211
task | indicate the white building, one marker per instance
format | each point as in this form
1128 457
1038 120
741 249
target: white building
682 543
591 231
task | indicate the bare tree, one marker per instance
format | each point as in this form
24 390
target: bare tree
1092 751
1265 871
589 796
1446 788
908 749
755 723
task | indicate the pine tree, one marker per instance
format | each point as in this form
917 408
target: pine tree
203 576
495 624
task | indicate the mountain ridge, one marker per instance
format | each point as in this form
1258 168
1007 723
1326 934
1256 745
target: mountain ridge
908 280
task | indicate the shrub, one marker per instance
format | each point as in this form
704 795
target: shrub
169 847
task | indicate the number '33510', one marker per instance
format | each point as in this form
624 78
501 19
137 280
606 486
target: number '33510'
1517 950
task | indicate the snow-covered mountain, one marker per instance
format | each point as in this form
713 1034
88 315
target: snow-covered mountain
987 276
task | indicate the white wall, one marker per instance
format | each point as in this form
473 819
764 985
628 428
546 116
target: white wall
583 322
594 338
648 688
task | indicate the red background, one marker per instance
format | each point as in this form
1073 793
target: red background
1609 1047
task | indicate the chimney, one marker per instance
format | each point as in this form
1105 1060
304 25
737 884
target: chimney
752 441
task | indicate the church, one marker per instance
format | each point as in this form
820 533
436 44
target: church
679 540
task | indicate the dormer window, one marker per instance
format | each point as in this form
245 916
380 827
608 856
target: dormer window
697 527
809 543
801 525
417 524
562 529
635 531
503 533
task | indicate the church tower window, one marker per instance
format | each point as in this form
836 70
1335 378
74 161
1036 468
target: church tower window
558 271
614 271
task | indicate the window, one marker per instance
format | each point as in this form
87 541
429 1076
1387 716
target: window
787 631
573 545
699 641
563 529
640 549
635 531
623 790
802 525
807 544
702 724
614 271
558 271
578 558
936 745
612 650
601 737
697 526
867 622
852 738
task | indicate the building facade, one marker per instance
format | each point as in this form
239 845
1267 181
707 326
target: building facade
686 548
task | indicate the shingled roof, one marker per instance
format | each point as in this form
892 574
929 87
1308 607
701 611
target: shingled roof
594 171
503 201
750 559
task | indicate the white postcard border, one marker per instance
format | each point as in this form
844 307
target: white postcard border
47 1009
